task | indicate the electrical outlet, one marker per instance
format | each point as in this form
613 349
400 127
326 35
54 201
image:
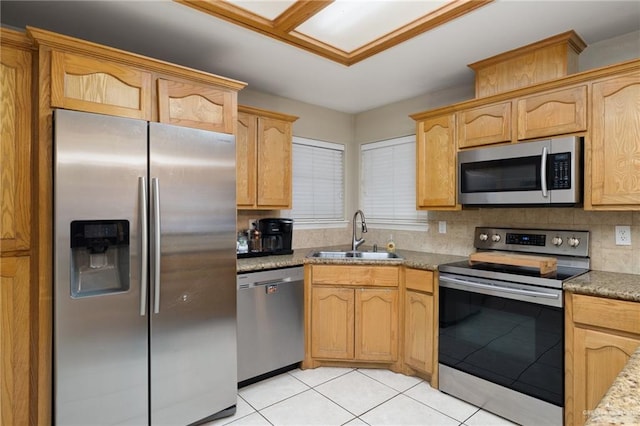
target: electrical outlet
442 226
251 221
623 235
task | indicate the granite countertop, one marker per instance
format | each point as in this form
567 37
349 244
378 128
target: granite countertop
621 403
412 259
613 285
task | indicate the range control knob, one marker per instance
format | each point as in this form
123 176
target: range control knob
574 242
483 237
557 241
495 238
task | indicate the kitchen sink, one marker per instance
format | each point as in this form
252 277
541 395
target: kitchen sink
364 255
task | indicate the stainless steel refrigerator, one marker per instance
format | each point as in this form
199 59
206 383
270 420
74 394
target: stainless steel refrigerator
145 272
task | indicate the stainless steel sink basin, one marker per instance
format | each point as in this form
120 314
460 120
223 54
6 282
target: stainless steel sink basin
364 255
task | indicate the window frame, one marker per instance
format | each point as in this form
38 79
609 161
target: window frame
320 223
421 217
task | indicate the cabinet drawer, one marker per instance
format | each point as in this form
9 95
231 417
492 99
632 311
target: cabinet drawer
417 279
608 313
384 276
484 125
553 113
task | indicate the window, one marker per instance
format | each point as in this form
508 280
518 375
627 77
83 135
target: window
318 181
388 182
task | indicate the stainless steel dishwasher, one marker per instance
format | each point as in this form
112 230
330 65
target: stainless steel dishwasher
270 321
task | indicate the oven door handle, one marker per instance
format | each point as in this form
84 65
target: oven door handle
497 288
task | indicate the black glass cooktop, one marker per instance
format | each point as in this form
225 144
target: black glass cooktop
563 273
516 274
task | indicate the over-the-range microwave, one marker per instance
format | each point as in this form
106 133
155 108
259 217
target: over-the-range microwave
537 173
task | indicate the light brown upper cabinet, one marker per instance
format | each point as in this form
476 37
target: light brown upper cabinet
552 113
603 105
263 159
193 105
15 161
484 125
90 77
612 172
436 163
83 83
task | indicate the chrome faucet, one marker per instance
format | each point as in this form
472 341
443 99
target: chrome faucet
355 242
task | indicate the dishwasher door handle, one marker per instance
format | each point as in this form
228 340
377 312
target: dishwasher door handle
272 282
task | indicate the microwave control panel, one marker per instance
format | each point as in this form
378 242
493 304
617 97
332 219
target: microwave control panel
559 171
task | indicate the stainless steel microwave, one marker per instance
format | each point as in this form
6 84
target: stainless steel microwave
543 172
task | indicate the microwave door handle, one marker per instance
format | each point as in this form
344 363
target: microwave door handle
543 171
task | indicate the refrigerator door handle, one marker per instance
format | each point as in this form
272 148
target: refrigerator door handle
155 196
144 251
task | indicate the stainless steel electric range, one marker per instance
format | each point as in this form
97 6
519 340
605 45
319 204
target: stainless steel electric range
501 331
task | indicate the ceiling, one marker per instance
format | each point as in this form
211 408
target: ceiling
430 61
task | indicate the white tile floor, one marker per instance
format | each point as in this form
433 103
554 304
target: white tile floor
346 396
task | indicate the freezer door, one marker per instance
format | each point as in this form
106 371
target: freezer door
100 334
193 267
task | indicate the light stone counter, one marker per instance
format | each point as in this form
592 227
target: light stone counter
613 285
413 259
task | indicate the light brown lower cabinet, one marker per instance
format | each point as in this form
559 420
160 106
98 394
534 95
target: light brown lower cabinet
369 315
420 324
601 335
351 314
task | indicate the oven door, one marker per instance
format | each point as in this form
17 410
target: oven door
507 335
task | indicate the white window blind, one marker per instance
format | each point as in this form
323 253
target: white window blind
318 181
388 181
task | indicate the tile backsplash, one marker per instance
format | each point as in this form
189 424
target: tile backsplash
605 255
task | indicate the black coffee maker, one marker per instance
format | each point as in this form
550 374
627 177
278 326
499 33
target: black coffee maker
276 235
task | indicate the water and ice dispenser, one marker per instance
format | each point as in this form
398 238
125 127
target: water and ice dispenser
99 257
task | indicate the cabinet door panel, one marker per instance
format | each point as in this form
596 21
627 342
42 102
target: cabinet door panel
376 326
246 159
15 150
555 113
484 125
14 340
614 153
274 163
598 359
86 84
193 105
436 164
332 322
419 331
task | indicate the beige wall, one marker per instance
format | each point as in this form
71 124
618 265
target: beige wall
393 121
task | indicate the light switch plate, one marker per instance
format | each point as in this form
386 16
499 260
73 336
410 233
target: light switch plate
623 235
